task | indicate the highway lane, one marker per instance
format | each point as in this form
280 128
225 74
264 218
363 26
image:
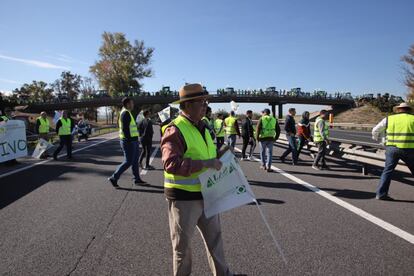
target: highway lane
69 221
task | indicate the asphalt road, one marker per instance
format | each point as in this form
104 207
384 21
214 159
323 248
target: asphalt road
64 218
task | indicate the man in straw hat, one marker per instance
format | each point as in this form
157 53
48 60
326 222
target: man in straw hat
187 151
399 131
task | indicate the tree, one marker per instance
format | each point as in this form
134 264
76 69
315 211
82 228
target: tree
87 88
69 84
409 72
37 91
121 65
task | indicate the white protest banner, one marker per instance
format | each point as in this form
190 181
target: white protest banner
164 114
12 140
225 189
41 147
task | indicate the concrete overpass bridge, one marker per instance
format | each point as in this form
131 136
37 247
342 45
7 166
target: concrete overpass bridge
149 99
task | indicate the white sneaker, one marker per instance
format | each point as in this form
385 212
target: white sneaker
242 159
315 168
249 158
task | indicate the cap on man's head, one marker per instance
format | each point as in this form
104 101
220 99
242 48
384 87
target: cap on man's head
192 91
266 110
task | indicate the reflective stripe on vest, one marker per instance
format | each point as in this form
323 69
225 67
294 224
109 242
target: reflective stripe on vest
133 130
268 127
317 137
44 125
230 125
196 149
219 128
65 128
400 131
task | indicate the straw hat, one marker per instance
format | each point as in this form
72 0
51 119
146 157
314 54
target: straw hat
192 91
403 105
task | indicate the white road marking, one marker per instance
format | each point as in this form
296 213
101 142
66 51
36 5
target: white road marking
45 161
144 172
375 220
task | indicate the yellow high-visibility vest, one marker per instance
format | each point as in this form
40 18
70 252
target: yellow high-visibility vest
219 128
197 149
44 125
65 128
268 127
163 128
400 131
317 137
230 125
133 129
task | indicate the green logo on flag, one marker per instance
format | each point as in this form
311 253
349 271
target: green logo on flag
210 182
241 189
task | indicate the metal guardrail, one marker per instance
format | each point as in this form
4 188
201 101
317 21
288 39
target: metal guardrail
355 151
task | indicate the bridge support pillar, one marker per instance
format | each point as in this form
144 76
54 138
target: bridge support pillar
280 111
273 110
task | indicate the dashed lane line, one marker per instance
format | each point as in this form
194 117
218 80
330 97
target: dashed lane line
154 153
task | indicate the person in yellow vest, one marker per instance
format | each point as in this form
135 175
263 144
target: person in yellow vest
128 135
43 126
321 139
64 128
219 130
267 133
232 129
187 151
42 129
208 120
399 132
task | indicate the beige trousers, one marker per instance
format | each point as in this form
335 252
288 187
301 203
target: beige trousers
184 217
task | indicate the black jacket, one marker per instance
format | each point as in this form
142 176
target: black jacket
290 124
145 129
247 128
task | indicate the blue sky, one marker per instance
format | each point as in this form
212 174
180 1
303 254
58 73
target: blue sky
332 45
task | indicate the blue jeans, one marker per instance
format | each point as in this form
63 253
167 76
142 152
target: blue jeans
131 155
392 156
266 151
231 140
291 149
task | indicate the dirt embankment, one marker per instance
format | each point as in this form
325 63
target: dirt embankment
361 115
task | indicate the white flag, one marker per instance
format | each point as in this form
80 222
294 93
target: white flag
234 106
57 116
225 189
41 147
164 114
140 117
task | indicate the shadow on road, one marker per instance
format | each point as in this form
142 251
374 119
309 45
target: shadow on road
140 190
270 201
279 185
